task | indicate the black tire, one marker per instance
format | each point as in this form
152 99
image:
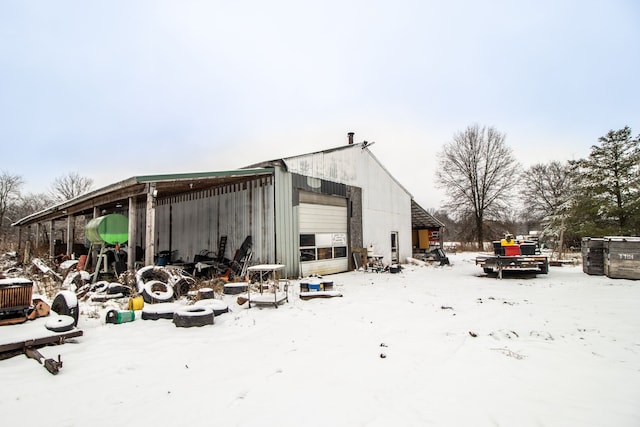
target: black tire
100 287
183 286
193 316
62 323
158 311
218 306
488 270
234 288
544 268
117 288
206 293
156 291
66 304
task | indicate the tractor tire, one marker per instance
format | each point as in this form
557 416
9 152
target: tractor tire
190 316
65 303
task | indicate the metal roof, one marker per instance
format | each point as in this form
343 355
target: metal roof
282 162
421 218
137 186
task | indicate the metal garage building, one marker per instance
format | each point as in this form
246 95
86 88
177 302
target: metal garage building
310 212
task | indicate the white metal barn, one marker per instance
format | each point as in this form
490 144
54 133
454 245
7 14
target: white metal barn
309 212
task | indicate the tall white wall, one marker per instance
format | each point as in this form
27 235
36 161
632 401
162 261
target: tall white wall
386 204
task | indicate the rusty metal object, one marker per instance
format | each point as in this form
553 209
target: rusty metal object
50 365
40 309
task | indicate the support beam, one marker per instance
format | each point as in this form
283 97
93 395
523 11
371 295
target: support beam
52 239
150 235
133 235
70 233
38 232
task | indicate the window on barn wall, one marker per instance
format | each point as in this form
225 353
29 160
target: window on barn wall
323 246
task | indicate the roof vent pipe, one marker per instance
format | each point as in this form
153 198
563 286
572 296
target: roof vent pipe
350 135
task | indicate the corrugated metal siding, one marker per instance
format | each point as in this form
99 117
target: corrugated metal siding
193 223
286 224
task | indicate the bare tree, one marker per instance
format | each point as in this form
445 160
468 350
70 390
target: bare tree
9 193
478 172
68 186
31 203
547 189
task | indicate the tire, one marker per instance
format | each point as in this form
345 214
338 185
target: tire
66 304
62 323
183 285
140 277
193 316
544 268
159 311
156 291
100 287
205 293
118 288
151 273
488 270
218 306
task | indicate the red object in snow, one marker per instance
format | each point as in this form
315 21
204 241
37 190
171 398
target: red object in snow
513 250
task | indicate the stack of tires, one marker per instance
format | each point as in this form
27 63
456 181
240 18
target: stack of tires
161 285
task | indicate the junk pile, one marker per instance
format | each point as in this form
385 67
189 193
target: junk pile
19 305
152 292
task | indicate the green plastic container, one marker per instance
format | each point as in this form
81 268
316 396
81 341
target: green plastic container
112 229
120 316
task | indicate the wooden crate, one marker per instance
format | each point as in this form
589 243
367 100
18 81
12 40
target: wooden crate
15 295
593 255
622 258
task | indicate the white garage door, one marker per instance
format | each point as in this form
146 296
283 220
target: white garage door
323 236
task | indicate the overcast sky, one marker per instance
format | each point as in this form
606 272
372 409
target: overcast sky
114 89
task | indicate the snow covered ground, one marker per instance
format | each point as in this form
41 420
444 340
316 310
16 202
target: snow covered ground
441 346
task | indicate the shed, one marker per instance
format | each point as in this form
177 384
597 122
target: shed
308 212
426 230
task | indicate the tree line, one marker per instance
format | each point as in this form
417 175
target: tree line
15 204
488 194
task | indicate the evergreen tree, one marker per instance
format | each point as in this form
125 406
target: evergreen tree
609 186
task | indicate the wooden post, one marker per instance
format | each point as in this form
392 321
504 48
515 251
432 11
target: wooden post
38 235
149 248
52 240
133 235
70 232
27 253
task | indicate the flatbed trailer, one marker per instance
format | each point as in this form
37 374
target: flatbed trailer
491 263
